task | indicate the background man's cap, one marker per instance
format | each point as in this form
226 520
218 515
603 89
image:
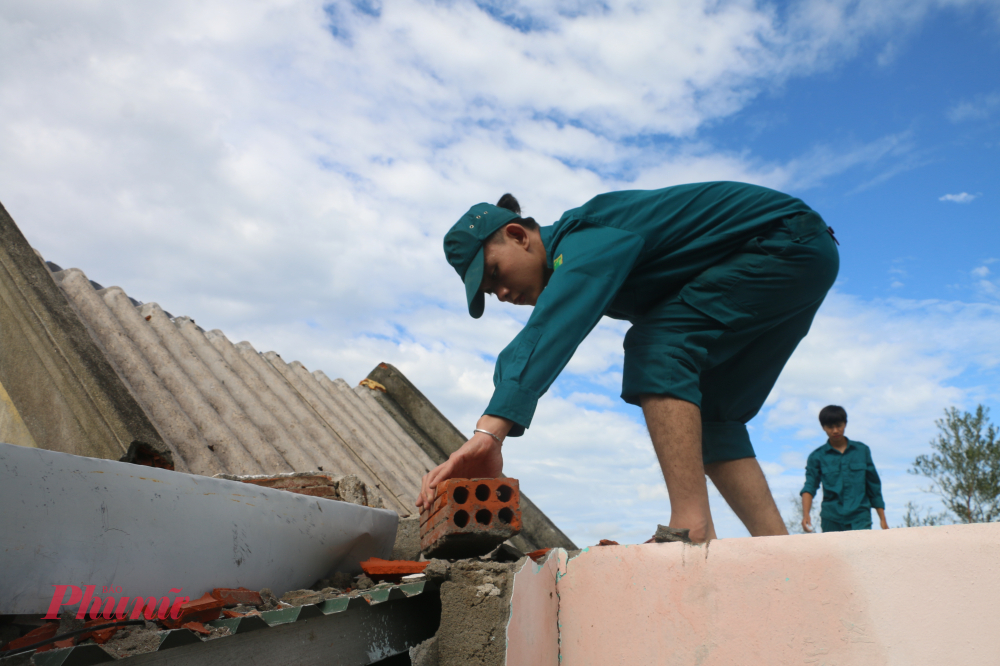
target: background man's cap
463 246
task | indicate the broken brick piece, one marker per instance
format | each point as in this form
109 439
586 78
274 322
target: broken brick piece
44 632
236 596
102 636
608 542
69 642
204 609
197 627
538 555
392 570
470 517
231 613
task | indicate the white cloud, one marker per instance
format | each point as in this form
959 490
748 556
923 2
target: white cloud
981 271
285 173
961 197
979 108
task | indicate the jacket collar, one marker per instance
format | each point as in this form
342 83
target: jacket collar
827 448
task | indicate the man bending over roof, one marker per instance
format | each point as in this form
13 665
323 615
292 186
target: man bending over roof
720 282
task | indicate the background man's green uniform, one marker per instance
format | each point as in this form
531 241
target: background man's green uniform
851 486
720 281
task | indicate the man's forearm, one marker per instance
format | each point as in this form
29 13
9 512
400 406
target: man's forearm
881 518
807 503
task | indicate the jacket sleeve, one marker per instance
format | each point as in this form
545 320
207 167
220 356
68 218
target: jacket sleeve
596 260
873 484
812 476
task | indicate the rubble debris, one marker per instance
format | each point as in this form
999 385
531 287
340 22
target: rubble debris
608 542
475 609
391 570
270 601
133 640
343 488
470 517
505 553
426 653
666 534
134 637
407 545
204 609
539 555
237 596
437 570
303 597
340 580
44 632
197 627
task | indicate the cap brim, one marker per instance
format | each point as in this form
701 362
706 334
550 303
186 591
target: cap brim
473 280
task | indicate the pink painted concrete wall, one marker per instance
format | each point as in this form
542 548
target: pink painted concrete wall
904 596
532 632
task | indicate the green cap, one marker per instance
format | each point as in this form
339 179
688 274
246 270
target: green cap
463 246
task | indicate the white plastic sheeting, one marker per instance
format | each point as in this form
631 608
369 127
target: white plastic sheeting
139 531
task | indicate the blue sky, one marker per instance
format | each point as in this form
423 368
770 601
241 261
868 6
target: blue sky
284 171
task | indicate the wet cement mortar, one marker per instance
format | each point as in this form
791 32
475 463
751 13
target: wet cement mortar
475 609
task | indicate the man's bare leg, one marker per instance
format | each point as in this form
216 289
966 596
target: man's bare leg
675 428
742 483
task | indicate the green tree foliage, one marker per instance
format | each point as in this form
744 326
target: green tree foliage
912 517
965 466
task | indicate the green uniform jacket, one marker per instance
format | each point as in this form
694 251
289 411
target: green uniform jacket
618 255
850 481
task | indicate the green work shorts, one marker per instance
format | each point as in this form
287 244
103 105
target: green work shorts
721 341
859 521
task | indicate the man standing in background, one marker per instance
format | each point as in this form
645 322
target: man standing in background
851 486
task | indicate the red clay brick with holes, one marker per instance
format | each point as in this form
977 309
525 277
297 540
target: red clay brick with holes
470 517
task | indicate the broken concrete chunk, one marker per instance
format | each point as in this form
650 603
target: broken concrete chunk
303 597
270 601
364 583
487 590
437 570
407 546
426 653
133 640
475 609
666 534
343 488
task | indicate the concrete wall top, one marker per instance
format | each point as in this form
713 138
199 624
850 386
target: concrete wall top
903 596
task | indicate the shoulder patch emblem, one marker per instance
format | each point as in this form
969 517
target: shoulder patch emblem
557 263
